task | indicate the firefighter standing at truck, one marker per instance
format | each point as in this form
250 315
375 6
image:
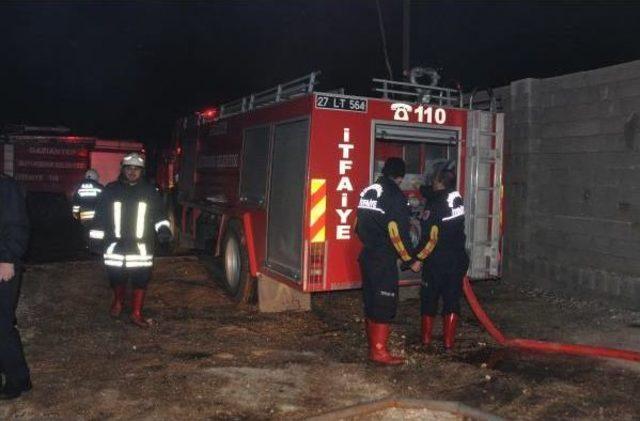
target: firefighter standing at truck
445 259
86 197
128 217
383 228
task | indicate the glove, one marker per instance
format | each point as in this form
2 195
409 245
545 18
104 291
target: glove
416 266
164 235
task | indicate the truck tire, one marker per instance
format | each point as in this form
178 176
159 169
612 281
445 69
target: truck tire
238 281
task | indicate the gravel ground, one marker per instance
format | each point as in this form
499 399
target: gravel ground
207 358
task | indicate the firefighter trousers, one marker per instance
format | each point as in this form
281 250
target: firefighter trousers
444 281
139 277
379 285
12 361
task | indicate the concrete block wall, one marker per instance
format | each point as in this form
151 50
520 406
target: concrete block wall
572 183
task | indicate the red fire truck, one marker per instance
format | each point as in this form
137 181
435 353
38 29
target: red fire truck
50 159
271 182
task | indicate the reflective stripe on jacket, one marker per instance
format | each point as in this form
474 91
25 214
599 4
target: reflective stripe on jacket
126 220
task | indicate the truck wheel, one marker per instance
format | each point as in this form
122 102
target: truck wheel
235 260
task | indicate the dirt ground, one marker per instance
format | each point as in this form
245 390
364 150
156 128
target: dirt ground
207 358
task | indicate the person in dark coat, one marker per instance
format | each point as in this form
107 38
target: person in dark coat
14 237
383 229
442 249
129 215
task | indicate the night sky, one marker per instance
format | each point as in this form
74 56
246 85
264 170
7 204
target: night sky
129 69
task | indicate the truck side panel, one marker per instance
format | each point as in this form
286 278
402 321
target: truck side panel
50 167
218 155
218 160
57 164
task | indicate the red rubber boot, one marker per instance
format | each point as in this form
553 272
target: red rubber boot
427 329
118 300
449 324
378 335
137 301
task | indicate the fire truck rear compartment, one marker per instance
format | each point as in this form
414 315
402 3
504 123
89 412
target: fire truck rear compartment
286 198
424 150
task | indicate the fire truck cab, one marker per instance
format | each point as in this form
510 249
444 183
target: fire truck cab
271 182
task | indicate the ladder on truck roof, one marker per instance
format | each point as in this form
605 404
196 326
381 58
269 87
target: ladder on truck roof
483 198
281 92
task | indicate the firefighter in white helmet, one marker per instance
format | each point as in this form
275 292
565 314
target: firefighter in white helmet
86 196
129 215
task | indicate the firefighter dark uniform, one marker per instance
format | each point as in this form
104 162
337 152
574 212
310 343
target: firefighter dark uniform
128 217
85 198
445 263
383 228
14 235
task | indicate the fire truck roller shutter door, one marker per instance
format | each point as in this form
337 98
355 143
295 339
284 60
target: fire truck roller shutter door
235 259
286 199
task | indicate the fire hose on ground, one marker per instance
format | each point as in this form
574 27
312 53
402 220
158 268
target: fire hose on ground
541 346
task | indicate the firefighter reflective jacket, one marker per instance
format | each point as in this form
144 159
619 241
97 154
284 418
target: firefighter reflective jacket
85 200
443 238
126 222
14 223
383 219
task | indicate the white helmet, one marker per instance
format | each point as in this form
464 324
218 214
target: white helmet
92 174
133 159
